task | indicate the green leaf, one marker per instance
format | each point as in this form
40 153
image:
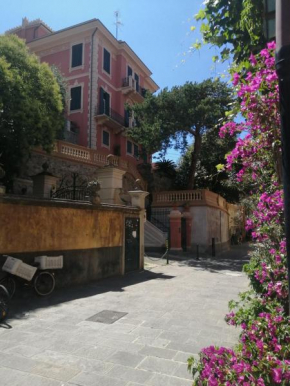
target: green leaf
200 15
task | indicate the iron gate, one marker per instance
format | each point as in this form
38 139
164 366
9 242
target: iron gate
132 244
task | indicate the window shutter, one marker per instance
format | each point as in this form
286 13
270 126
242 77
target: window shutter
129 147
75 95
77 55
102 104
107 61
137 82
127 116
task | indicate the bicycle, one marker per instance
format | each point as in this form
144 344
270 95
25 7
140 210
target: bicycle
37 275
4 303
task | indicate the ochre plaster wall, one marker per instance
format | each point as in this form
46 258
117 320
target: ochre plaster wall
31 228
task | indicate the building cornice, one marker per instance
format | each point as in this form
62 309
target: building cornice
43 43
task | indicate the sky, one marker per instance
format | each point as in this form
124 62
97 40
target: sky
157 30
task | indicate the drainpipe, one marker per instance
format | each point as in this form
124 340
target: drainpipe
91 87
283 71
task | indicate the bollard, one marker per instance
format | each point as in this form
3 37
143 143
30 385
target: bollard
213 247
167 246
197 252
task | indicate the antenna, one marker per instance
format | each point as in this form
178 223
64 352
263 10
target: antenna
118 22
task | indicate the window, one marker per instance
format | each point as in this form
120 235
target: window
129 71
129 147
132 149
106 138
271 5
77 55
107 61
104 102
137 82
136 151
75 98
127 118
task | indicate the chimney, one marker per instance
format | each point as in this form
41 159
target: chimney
25 22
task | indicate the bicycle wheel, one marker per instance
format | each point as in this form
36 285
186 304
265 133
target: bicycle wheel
4 303
44 283
10 284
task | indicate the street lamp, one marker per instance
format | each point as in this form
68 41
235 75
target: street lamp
283 71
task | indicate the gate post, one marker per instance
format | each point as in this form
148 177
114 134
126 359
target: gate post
188 219
175 229
110 179
138 199
44 183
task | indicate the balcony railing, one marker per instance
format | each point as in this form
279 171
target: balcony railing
71 136
84 155
130 84
189 197
112 114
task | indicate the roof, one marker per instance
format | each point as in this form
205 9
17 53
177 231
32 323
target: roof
118 43
27 23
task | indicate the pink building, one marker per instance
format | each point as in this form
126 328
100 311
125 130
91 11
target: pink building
103 75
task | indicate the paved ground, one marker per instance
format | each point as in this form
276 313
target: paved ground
172 311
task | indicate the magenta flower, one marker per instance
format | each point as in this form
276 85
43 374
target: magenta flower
277 375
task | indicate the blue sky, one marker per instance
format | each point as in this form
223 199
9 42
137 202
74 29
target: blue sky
157 30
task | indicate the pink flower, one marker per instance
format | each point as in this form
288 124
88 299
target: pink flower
236 79
277 375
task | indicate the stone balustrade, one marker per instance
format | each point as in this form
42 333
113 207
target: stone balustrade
80 154
190 197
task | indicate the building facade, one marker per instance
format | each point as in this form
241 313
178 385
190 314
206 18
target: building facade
103 76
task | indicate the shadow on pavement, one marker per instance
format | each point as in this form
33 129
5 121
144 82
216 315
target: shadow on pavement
230 261
25 299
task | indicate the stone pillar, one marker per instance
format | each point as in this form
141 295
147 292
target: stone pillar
138 199
43 184
175 229
188 218
111 179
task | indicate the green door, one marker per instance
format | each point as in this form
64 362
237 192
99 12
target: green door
132 244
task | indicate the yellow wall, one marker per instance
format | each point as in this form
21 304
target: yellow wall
31 228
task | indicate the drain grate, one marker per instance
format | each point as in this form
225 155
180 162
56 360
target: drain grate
107 317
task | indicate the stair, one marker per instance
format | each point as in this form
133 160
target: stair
154 237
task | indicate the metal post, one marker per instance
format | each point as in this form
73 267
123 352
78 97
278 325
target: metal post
197 252
283 71
213 247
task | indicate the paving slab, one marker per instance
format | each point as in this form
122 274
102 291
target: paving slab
167 313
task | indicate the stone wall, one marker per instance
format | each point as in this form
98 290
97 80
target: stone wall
63 169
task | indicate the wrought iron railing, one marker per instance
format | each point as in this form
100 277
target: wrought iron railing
131 82
112 114
71 193
71 136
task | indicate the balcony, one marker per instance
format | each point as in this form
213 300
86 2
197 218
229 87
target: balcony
132 88
110 118
70 133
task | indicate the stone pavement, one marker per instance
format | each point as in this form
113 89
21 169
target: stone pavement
169 313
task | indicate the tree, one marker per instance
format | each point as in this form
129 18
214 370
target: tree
209 171
180 115
30 105
237 26
262 355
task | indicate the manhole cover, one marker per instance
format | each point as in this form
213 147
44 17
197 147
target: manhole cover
107 317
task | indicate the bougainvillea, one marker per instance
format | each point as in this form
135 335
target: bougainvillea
262 356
